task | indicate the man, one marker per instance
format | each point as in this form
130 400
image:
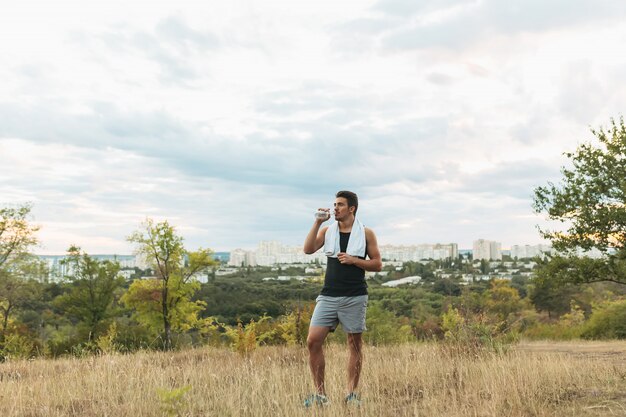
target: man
343 298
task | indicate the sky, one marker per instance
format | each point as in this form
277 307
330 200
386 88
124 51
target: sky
235 121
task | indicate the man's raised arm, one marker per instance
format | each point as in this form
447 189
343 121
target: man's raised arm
315 239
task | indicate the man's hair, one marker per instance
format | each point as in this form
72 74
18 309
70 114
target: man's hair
353 200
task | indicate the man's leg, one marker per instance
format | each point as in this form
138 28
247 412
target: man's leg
315 342
355 345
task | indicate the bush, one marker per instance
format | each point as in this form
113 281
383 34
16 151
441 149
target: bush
17 347
607 322
569 326
473 335
384 328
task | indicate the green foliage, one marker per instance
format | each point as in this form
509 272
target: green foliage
473 335
412 302
144 296
549 295
106 343
92 286
169 298
563 270
294 326
384 327
235 299
502 299
131 337
243 338
17 236
172 401
447 286
17 346
608 321
16 292
213 333
591 201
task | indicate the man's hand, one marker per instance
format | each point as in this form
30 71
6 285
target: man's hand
346 259
323 219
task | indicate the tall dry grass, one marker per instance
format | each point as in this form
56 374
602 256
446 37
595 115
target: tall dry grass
410 380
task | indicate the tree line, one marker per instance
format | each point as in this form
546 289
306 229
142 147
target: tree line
95 309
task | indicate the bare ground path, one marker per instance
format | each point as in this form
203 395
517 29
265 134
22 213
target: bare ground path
601 350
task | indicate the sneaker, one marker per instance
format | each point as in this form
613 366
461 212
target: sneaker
353 400
316 399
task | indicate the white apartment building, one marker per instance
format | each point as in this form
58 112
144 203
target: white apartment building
488 250
59 268
416 253
241 257
530 251
270 253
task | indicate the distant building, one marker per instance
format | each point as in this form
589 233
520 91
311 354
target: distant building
402 281
488 250
530 251
416 253
240 257
271 253
58 268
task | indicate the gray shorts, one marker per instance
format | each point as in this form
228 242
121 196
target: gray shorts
349 311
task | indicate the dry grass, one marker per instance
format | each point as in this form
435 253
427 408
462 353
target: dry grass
534 379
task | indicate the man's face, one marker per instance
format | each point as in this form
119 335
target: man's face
342 211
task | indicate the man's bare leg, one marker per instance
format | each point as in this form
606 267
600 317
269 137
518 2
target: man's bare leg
355 345
315 343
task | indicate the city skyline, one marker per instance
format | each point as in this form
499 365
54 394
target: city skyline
443 116
291 248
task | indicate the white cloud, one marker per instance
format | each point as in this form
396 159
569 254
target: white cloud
235 120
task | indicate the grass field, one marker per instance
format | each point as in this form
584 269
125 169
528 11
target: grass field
532 379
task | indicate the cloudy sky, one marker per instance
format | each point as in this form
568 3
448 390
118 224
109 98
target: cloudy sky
236 120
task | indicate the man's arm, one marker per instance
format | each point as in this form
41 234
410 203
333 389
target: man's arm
374 263
315 239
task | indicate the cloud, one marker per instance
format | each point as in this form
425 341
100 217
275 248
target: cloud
407 7
459 24
433 112
173 45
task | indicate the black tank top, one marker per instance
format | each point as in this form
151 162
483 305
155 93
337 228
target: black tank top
344 280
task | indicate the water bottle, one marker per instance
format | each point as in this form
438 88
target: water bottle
322 214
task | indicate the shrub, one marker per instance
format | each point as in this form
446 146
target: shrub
384 328
17 346
173 401
568 327
106 343
294 326
473 334
607 321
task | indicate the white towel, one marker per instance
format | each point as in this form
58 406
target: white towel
356 242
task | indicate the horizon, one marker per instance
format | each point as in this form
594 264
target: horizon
460 249
442 116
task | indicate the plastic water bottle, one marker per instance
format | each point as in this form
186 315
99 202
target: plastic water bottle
322 214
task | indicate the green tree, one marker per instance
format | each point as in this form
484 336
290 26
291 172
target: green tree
17 237
92 287
176 270
16 292
17 234
590 202
447 286
546 295
484 267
